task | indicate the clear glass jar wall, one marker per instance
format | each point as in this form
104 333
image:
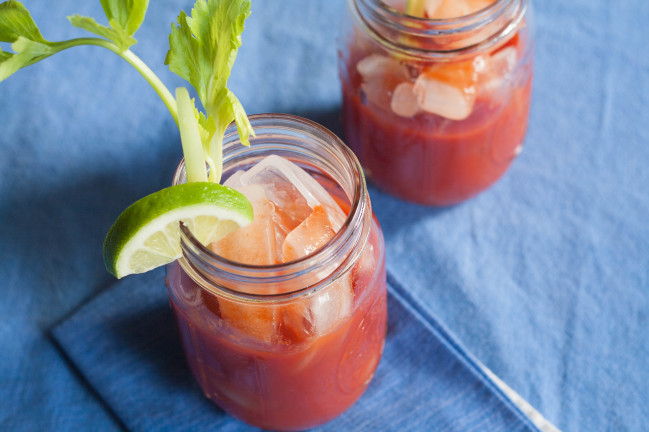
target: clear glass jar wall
290 346
436 109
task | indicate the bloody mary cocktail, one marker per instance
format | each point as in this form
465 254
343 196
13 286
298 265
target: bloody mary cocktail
283 321
436 107
277 278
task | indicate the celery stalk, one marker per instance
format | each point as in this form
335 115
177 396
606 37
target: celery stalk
190 137
202 50
416 7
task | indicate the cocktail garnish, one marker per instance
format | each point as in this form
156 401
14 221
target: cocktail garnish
415 7
203 48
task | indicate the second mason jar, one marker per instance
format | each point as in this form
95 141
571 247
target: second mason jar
436 106
287 346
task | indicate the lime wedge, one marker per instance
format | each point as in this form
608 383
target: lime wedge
147 234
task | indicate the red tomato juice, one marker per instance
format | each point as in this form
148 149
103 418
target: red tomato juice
429 159
295 379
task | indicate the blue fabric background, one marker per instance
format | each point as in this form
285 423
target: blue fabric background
424 381
544 278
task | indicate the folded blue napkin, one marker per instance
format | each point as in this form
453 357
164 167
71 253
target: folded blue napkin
125 343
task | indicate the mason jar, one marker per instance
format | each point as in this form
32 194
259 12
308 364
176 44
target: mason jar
288 346
436 109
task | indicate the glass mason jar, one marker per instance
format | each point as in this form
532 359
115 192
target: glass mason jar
288 346
436 109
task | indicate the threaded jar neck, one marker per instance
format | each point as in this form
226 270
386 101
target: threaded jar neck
412 37
324 156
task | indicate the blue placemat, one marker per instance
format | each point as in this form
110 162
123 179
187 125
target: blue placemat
125 343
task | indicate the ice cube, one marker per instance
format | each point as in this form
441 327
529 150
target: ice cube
294 216
502 64
289 206
364 270
375 93
255 243
259 321
380 74
431 7
286 197
437 97
309 236
234 180
331 305
294 192
318 313
256 194
404 100
451 9
377 65
324 309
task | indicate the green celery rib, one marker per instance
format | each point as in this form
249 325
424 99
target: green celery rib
190 138
416 7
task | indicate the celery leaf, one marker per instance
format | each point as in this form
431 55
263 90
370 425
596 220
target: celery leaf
15 21
4 55
207 125
186 57
203 47
18 27
115 34
27 53
126 15
202 50
243 124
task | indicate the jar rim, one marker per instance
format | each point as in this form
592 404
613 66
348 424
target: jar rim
402 33
276 273
496 5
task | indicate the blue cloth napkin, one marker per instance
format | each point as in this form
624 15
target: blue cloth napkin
125 343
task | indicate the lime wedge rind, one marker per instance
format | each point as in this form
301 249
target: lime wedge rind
147 234
174 217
